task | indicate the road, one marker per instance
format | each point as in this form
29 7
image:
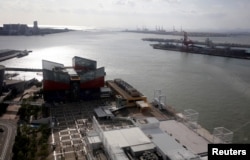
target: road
7 138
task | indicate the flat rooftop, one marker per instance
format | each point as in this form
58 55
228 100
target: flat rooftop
168 145
126 137
123 93
185 136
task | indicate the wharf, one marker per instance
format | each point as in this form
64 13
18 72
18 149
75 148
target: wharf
191 139
160 40
23 69
8 54
130 100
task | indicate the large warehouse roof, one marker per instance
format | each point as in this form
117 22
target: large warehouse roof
190 139
168 145
126 137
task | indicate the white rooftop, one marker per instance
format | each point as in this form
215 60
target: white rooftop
102 112
94 139
190 139
126 137
168 145
143 147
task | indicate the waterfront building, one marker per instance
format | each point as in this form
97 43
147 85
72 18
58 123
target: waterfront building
23 29
142 139
15 29
81 81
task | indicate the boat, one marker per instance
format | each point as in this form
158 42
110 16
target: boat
221 52
206 48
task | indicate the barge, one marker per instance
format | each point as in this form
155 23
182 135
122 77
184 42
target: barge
221 52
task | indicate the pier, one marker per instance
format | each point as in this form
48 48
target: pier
6 54
23 69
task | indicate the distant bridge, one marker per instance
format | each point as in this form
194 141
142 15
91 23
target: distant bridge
23 69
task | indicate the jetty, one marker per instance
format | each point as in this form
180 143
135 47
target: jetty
6 54
23 69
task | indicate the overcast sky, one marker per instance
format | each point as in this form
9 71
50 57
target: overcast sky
188 14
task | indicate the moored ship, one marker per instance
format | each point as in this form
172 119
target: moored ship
206 48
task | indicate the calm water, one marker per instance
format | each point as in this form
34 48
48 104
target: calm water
218 88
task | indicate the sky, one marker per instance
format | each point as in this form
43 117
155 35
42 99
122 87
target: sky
131 14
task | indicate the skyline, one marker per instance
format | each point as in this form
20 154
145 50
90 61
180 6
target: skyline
212 15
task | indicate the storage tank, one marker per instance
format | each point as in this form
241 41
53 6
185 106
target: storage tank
2 69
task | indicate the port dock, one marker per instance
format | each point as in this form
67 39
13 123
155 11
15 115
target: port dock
160 40
130 100
230 50
8 54
23 69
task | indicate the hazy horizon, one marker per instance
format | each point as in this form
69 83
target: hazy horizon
191 15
